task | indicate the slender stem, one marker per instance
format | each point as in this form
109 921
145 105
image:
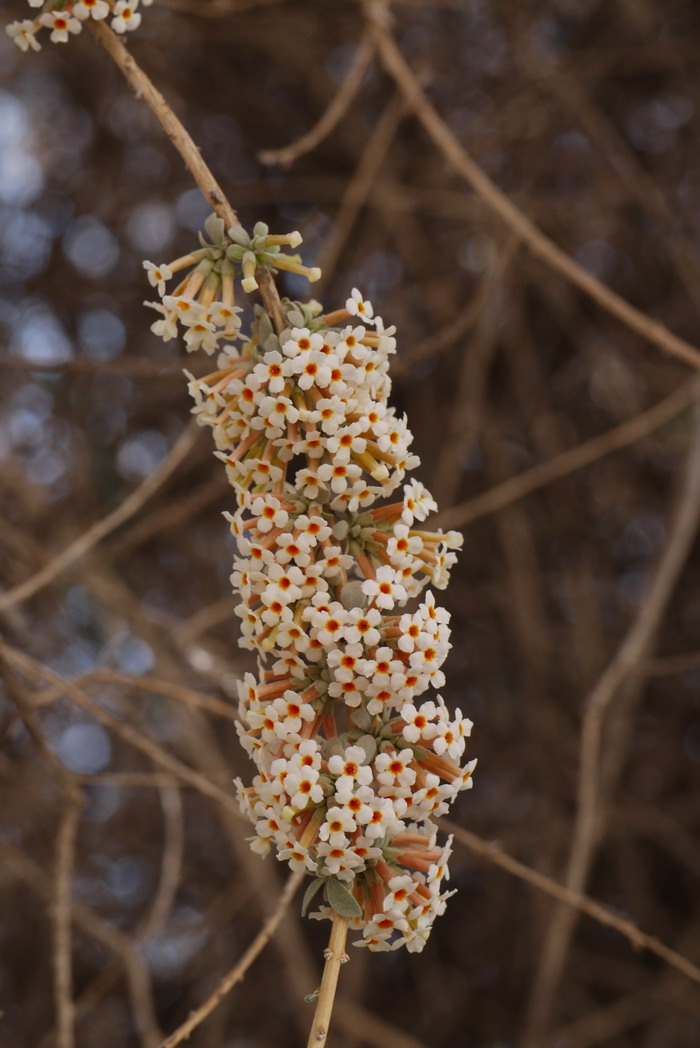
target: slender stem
174 129
335 956
182 140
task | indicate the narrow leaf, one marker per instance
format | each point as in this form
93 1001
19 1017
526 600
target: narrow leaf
309 894
344 904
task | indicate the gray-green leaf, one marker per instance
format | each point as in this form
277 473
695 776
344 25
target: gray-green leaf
310 892
338 896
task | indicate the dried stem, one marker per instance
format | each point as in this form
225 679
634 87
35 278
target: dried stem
492 852
460 160
339 105
335 956
238 971
62 960
174 129
590 815
569 461
95 534
182 140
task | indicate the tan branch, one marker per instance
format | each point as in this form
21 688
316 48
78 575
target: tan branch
95 534
573 900
183 142
337 109
589 816
62 946
335 956
239 970
569 461
494 198
174 128
39 673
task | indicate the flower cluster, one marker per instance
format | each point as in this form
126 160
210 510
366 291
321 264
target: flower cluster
354 760
66 18
203 303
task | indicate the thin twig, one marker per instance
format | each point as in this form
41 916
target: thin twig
337 109
156 753
562 465
589 816
359 187
240 968
573 900
138 975
463 322
62 947
149 684
171 861
144 88
174 128
95 534
335 956
540 244
64 858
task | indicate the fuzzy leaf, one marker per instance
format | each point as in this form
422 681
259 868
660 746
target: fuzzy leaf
351 595
362 720
338 896
296 318
309 894
366 742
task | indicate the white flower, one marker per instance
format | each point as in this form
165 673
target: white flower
223 316
338 475
312 369
303 788
301 342
361 627
126 16
24 34
269 514
312 529
384 590
157 275
62 25
96 9
269 373
340 861
278 411
358 307
397 901
339 822
419 722
350 768
392 768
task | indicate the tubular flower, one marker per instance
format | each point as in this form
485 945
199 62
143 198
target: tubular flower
66 18
352 764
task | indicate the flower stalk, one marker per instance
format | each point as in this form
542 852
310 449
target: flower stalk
334 956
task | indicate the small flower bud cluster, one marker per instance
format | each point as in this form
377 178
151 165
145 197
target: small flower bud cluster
66 18
354 761
203 303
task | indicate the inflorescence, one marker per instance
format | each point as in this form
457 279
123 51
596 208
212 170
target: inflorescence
353 762
65 19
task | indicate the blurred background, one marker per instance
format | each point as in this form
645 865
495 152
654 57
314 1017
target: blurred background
587 114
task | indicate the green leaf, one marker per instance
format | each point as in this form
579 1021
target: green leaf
338 896
310 892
